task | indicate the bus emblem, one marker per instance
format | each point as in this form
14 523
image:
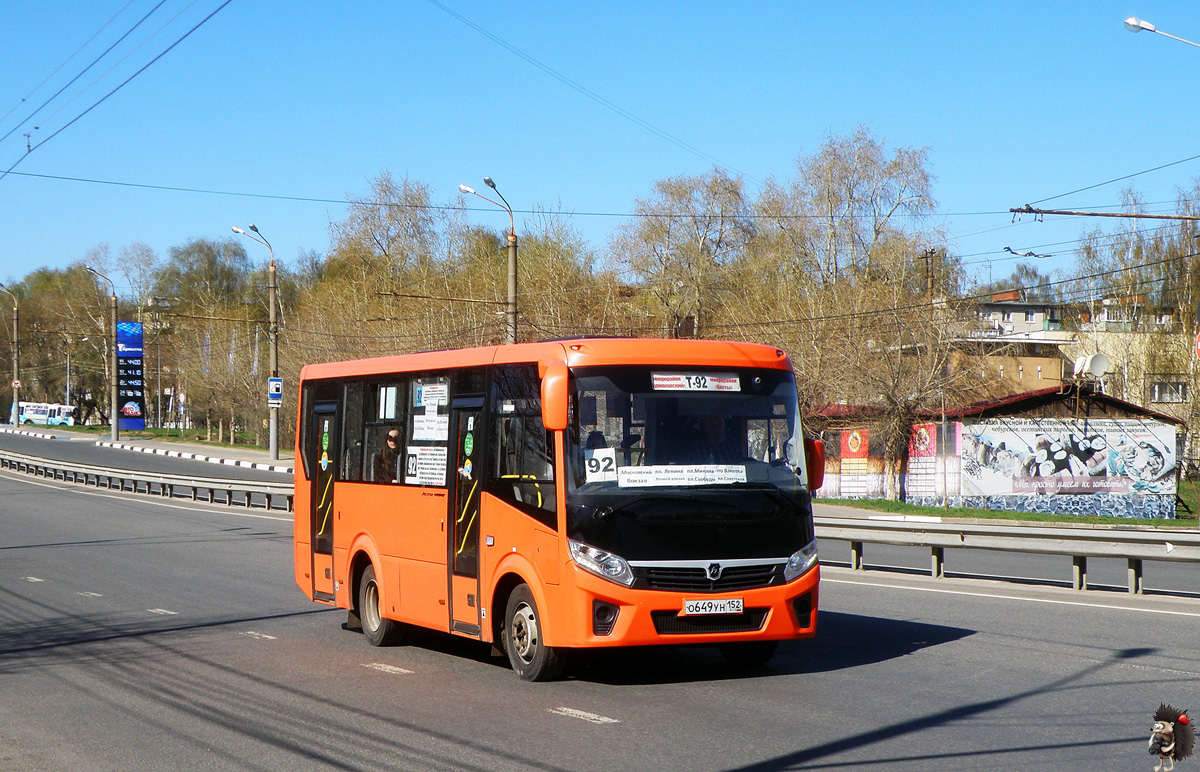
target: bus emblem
714 571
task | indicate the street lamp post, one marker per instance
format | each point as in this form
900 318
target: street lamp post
272 334
511 237
16 360
1134 24
114 407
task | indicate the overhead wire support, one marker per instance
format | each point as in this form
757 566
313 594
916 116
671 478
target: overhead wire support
1027 209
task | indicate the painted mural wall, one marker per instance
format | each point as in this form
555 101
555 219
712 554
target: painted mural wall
1119 468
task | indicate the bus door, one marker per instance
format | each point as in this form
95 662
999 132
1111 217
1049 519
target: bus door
324 451
466 429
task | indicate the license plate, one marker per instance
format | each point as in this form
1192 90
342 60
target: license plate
712 606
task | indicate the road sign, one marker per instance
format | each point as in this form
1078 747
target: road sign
274 392
16 384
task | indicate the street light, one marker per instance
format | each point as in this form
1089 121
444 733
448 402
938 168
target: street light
511 332
16 361
272 335
114 408
1134 24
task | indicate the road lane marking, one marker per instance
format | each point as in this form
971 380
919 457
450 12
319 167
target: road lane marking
258 636
387 668
33 579
90 594
948 591
583 715
163 611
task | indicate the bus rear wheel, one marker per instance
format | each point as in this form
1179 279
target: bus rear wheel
379 630
749 654
529 655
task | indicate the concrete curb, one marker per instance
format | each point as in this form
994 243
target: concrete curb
28 433
197 457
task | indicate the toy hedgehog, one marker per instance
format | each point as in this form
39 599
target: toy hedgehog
1172 738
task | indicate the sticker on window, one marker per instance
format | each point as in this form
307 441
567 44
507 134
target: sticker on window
696 474
695 382
601 464
425 466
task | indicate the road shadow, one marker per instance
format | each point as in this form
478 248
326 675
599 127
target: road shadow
842 641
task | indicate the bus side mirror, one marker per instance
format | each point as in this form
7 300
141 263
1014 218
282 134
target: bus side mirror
554 396
814 462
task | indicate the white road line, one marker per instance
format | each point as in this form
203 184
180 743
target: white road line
583 715
258 636
90 594
33 579
948 591
163 611
387 668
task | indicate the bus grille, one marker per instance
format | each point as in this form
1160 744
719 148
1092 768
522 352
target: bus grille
733 578
670 623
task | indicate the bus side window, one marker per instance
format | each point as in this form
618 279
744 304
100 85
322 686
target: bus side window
384 414
352 432
522 470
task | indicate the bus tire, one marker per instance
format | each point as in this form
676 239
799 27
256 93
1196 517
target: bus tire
749 654
530 657
379 630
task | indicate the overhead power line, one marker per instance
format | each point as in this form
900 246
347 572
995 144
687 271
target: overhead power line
123 83
587 92
82 72
75 53
1115 179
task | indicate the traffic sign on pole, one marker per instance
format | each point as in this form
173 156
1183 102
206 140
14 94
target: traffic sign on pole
274 392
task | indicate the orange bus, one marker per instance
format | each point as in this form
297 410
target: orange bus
561 495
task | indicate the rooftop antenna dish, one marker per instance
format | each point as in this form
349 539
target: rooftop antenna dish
1096 365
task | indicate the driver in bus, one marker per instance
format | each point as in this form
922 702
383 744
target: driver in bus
714 445
387 460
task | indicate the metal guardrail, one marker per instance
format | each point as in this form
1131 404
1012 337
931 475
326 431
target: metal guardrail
1078 542
214 489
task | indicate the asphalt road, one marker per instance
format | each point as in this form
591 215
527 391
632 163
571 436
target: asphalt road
152 635
82 449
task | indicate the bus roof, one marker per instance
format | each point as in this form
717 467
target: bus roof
576 352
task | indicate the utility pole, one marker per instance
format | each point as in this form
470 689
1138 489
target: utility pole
272 336
16 359
114 408
510 331
273 339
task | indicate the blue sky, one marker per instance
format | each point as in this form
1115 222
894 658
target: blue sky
1016 102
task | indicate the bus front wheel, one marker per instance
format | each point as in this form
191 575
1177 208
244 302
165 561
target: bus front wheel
531 658
379 630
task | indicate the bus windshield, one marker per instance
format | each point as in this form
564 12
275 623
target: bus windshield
670 465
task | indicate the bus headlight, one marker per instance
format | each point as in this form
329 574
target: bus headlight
800 561
603 564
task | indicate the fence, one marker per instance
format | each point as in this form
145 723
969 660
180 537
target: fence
210 489
1077 542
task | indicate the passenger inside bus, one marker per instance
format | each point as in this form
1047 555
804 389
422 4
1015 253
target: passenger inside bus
387 460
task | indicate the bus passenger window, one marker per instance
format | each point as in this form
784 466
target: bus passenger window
352 430
384 415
